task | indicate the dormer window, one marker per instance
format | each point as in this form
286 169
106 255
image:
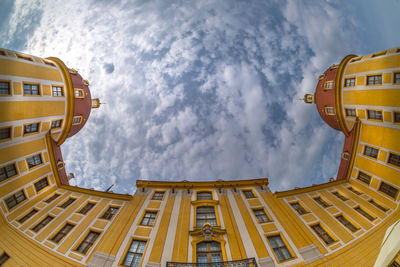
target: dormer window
330 110
79 93
77 120
328 85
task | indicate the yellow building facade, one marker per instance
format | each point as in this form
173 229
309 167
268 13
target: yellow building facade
348 221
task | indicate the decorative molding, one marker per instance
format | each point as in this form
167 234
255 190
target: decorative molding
310 253
101 259
266 262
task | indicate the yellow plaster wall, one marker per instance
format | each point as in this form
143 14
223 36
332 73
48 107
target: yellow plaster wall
27 69
19 150
181 244
46 89
17 131
12 111
17 88
379 63
159 241
388 97
256 239
232 232
120 226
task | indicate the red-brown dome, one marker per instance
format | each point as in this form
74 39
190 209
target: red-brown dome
325 97
82 101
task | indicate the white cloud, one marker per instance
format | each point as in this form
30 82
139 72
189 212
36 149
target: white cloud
199 90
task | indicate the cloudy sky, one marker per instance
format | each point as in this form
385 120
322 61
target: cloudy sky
201 90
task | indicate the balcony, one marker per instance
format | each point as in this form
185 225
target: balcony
250 262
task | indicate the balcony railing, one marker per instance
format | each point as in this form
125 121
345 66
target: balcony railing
250 262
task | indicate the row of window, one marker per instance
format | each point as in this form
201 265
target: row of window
372 152
5 133
83 246
383 187
371 80
206 251
19 196
203 195
371 114
34 89
29 89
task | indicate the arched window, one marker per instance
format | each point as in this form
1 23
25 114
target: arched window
209 252
204 196
205 214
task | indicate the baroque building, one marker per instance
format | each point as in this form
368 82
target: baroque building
352 220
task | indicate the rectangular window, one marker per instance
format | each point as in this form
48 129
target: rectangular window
76 120
56 124
330 110
395 263
299 208
158 196
328 84
320 231
349 82
5 88
350 112
394 159
3 258
67 203
371 152
396 77
354 191
110 213
322 202
79 93
365 178
338 195
86 208
374 114
346 223
261 215
27 216
15 199
50 199
88 242
31 128
7 172
149 218
62 233
279 247
31 89
379 206
364 213
396 116
248 193
135 253
204 196
388 190
34 161
42 183
374 79
42 224
205 214
5 133
57 91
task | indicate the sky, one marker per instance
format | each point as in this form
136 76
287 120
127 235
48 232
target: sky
201 90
